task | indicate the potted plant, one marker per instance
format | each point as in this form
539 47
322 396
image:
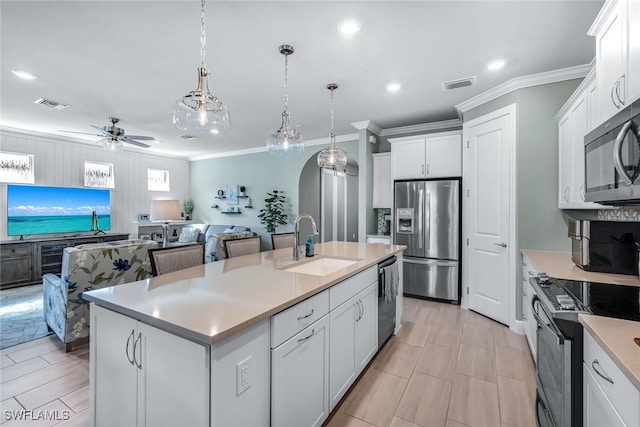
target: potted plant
242 190
188 209
273 213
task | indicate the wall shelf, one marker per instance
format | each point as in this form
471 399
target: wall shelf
231 213
219 197
248 206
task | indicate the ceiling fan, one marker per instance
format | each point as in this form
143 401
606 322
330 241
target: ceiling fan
115 136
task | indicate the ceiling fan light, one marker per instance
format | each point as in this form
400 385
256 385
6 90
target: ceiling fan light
114 145
199 112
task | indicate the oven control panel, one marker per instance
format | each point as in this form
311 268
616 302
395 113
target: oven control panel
555 294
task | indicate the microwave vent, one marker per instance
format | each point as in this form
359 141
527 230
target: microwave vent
459 83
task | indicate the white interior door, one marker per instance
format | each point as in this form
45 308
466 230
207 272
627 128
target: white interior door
488 212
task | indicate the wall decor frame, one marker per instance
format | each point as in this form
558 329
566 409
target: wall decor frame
98 174
232 194
158 180
17 168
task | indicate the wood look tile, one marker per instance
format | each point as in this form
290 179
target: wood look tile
413 333
344 420
515 364
470 316
375 398
449 315
77 420
397 358
517 402
399 422
506 338
57 356
34 351
426 312
476 362
478 335
425 401
474 402
29 344
9 405
77 400
5 361
18 369
451 423
438 361
445 334
55 410
62 386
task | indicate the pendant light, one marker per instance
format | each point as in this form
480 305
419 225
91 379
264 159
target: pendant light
332 157
286 139
199 112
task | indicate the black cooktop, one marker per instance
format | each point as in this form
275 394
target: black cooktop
603 299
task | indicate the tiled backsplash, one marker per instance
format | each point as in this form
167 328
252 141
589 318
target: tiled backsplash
381 223
622 214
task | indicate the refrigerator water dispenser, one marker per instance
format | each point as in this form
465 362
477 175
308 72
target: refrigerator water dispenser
405 220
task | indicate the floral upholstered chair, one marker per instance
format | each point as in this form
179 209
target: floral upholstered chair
85 268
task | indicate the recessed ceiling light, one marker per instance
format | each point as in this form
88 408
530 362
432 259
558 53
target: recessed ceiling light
393 87
349 27
495 65
24 75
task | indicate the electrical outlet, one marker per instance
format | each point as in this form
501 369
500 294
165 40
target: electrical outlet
242 376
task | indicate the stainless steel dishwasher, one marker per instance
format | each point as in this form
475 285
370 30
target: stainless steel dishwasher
386 301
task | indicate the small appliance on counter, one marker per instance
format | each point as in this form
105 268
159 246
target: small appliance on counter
605 246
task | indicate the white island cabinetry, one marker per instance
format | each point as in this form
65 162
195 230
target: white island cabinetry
143 376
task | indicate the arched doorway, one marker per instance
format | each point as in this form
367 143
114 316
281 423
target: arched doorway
332 199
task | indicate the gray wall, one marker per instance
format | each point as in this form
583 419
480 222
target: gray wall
259 173
540 224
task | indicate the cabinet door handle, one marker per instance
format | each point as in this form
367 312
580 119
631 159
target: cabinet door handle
427 168
423 169
605 376
618 82
126 349
307 316
361 305
582 192
135 344
613 100
313 331
564 194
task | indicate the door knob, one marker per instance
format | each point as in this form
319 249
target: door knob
502 245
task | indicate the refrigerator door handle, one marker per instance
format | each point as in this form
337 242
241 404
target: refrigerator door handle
420 219
427 223
427 261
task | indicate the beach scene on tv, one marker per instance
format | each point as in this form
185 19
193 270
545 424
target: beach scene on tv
54 210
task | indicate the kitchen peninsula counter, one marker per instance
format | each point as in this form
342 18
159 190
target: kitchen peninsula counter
211 302
559 265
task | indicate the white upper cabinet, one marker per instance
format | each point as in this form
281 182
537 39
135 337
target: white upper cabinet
576 118
382 182
617 55
436 155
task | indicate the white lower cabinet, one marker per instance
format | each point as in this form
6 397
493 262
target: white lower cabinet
609 398
142 376
353 342
531 326
299 378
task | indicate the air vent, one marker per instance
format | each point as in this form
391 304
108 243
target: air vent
457 84
51 104
188 137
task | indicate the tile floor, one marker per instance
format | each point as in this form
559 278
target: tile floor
447 368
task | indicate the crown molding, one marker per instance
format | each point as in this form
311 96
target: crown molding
263 149
569 73
368 125
424 127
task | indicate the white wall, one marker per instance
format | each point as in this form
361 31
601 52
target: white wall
59 162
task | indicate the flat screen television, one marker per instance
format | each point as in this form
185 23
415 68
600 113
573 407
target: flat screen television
34 209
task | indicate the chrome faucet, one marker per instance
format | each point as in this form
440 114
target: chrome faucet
296 233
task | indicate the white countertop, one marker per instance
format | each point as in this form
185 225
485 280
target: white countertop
213 301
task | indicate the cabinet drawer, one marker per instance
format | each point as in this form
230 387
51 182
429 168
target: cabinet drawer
12 251
622 394
294 319
344 290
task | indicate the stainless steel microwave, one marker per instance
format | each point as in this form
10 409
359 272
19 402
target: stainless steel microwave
612 159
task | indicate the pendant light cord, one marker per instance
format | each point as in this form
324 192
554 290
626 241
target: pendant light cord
332 134
203 36
286 72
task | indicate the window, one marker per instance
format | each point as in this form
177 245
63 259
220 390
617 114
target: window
98 174
16 167
158 180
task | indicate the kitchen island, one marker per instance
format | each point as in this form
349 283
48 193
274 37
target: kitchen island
238 342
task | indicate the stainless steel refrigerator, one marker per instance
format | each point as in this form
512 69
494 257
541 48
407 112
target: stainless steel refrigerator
427 221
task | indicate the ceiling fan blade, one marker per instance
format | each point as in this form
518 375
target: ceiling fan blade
136 143
141 138
101 130
81 133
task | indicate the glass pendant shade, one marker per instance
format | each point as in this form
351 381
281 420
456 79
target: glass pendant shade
201 113
112 144
332 157
285 140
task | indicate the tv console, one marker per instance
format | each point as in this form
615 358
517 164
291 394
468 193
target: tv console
23 262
